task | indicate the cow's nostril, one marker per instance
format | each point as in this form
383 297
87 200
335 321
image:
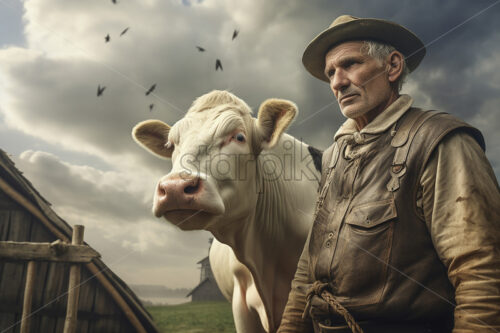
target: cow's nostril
191 189
161 190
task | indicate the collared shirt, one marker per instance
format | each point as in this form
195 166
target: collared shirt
381 123
459 199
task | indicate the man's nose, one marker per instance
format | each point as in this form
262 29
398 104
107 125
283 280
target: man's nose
339 81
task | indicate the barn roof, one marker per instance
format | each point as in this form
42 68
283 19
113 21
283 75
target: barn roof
20 189
202 261
198 286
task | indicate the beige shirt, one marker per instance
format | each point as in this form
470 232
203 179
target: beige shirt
459 199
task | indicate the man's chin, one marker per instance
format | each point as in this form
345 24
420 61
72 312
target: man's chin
187 219
352 111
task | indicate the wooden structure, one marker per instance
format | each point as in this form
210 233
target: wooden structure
57 251
207 289
48 272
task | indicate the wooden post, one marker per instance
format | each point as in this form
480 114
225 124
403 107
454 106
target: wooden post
74 285
28 297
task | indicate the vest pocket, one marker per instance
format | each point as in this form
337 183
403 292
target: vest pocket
365 242
372 214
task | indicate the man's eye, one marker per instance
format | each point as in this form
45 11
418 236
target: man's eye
331 72
351 63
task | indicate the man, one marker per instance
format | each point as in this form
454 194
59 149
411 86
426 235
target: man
406 233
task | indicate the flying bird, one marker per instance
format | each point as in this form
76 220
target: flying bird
100 90
218 65
150 90
124 31
235 33
107 38
200 49
151 106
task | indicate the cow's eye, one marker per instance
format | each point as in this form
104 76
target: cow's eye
240 137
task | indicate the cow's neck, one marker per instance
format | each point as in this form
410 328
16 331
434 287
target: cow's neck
271 240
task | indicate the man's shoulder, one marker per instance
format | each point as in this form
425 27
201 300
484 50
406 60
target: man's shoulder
436 125
421 132
429 127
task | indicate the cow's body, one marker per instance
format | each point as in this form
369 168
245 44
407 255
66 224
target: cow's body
260 217
268 243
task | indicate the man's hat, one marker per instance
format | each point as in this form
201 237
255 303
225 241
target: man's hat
349 28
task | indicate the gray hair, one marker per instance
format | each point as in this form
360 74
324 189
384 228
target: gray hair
380 51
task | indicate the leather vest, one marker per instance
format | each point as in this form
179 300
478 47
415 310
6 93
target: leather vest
368 241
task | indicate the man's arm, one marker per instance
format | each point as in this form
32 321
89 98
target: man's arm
292 316
461 205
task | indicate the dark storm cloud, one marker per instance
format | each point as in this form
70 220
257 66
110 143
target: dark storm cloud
456 54
462 41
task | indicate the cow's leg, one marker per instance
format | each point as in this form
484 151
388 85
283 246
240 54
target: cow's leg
246 307
237 285
221 256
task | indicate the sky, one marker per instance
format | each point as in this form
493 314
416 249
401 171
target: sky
77 149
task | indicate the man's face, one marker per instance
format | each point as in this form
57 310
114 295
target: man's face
358 81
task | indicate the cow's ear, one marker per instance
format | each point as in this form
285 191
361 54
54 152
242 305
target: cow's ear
153 135
274 117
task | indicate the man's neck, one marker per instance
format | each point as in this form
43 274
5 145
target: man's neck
368 117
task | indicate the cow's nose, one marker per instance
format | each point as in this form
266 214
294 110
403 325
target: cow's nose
178 185
176 193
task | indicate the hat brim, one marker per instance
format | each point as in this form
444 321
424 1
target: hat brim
383 31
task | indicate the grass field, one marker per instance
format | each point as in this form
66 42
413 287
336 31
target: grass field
197 317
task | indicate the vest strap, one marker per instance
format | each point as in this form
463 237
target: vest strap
403 131
402 152
402 141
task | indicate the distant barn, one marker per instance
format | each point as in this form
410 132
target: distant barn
106 304
207 289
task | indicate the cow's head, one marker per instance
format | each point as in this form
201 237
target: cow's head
213 151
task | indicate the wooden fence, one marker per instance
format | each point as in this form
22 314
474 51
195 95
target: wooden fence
75 253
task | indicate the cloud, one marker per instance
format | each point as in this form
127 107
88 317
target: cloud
108 194
66 58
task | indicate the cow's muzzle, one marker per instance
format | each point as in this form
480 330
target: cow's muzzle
176 193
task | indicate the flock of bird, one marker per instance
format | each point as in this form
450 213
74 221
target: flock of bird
218 63
107 39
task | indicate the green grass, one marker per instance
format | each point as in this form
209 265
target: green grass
197 317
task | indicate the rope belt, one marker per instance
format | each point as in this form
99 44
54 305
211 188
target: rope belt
320 289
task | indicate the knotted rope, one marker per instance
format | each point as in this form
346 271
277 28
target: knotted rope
320 289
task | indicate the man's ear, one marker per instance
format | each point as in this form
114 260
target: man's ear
274 117
153 136
395 66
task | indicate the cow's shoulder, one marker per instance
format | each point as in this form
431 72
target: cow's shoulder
325 161
317 156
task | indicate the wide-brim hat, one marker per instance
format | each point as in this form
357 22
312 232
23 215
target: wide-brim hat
349 28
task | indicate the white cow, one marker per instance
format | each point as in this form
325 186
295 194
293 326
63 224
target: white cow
252 186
